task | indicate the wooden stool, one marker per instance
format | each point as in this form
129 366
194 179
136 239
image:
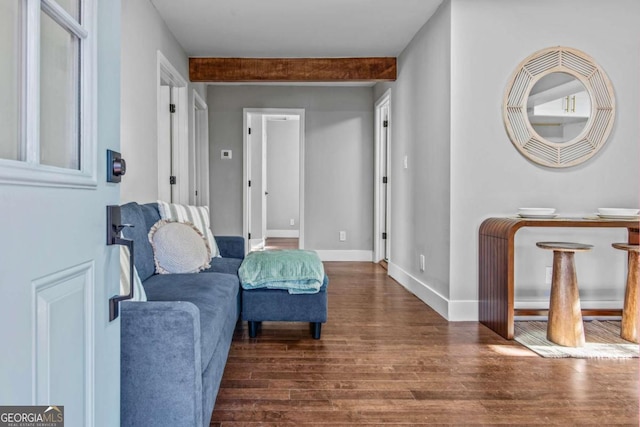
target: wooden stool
565 326
631 309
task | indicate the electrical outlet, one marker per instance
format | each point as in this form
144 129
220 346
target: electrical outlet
406 162
548 275
292 221
422 262
343 236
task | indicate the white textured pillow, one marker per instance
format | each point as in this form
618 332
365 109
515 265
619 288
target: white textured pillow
196 215
178 247
138 290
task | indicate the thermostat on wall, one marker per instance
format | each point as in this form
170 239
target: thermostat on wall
225 154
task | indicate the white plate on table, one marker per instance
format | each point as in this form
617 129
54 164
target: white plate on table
630 217
536 212
617 212
537 216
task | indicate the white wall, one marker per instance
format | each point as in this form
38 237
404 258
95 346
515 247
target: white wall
283 174
420 130
143 34
490 177
483 174
338 159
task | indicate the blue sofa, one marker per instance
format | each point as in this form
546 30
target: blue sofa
174 346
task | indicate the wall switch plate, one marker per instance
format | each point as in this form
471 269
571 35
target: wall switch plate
422 263
292 221
226 154
343 236
548 275
406 162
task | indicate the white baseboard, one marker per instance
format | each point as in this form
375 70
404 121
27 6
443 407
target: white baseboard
348 255
430 297
283 233
453 311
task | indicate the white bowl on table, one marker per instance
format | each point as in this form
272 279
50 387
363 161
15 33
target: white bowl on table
537 212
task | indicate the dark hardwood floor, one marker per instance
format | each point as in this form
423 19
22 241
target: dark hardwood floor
385 358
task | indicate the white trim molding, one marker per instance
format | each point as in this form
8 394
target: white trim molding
345 255
246 166
179 161
382 205
283 233
453 311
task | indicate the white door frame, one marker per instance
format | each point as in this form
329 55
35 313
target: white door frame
175 162
380 207
265 184
200 163
246 169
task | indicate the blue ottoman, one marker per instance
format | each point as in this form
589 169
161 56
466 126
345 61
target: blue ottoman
283 286
277 305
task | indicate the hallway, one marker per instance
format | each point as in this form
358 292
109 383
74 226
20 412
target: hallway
387 358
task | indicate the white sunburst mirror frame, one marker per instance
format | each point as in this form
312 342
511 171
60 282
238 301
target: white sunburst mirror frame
598 127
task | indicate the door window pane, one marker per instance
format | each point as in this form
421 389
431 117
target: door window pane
9 79
59 95
72 7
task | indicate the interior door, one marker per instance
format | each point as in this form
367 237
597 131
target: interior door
385 173
165 192
56 272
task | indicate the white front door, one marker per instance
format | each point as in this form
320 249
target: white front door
60 83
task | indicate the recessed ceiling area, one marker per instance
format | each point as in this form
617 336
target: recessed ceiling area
295 28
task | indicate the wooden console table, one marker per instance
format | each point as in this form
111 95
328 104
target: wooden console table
496 265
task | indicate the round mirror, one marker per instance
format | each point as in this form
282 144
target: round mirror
558 107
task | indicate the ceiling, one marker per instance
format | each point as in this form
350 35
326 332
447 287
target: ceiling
295 28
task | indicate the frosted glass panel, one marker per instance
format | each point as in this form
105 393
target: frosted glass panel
9 79
59 95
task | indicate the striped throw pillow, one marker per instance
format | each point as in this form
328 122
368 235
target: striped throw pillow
197 215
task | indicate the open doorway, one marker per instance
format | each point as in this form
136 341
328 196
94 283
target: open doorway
382 235
274 176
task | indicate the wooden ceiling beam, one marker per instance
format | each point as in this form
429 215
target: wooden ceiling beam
292 69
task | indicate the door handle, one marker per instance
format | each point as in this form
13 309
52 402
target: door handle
114 228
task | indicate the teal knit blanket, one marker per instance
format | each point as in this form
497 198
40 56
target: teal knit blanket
297 271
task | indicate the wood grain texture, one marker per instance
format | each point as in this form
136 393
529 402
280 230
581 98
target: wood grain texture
386 358
292 69
631 310
496 257
565 326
